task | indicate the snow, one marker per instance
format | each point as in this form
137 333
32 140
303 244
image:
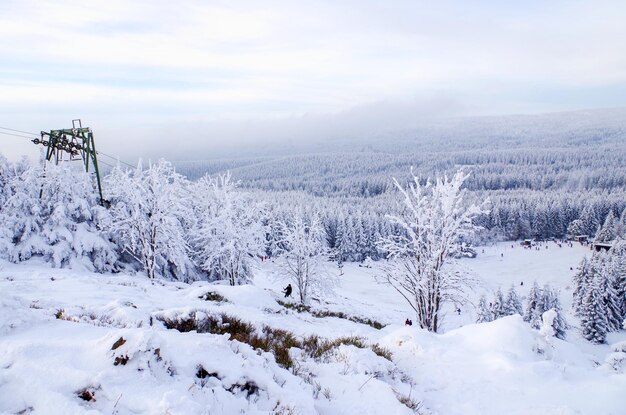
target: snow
491 368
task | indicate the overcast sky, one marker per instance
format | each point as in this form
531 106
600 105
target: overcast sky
151 77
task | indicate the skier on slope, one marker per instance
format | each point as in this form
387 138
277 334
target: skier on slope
287 290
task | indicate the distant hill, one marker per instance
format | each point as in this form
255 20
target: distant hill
547 151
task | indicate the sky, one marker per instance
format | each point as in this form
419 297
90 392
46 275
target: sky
189 79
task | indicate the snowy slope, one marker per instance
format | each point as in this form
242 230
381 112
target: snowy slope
499 266
46 362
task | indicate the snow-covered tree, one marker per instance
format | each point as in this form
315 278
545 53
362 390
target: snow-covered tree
304 255
76 225
347 246
581 280
607 271
620 228
148 207
589 219
576 227
540 301
4 180
484 313
53 212
230 232
618 268
498 306
534 306
593 319
609 277
551 302
513 304
434 219
610 299
22 217
608 230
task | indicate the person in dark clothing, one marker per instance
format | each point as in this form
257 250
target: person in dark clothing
287 290
408 322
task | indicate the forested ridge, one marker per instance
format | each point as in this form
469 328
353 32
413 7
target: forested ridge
540 172
557 175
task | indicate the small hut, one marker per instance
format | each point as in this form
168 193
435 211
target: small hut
602 246
580 238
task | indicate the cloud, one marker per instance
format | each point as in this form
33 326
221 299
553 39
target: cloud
292 68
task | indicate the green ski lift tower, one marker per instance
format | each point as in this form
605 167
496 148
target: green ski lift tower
73 144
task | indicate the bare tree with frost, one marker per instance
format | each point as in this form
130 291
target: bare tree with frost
435 218
304 254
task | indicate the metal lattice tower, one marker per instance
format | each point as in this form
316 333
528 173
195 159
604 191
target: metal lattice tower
73 144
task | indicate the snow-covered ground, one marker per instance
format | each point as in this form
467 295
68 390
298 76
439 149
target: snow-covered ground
497 266
60 334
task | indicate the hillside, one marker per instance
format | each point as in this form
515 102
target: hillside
72 342
553 145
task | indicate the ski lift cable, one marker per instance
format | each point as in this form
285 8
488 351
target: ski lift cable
19 131
106 164
16 135
115 158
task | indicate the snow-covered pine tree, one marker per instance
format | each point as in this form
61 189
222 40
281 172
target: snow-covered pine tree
618 267
593 319
581 280
620 228
346 245
498 306
513 304
576 227
590 220
374 237
360 239
22 217
534 307
484 313
331 230
607 232
609 285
